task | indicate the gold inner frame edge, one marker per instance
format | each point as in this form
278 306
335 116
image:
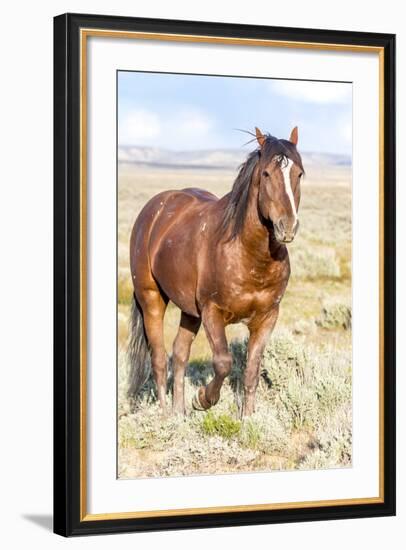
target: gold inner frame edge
84 34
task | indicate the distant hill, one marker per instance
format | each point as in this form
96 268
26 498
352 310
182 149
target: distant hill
225 159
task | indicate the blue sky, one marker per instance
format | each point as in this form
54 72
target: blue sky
187 112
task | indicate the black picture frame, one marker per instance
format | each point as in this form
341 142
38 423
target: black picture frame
67 351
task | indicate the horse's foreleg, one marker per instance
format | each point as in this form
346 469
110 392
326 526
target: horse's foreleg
259 335
188 329
213 322
153 306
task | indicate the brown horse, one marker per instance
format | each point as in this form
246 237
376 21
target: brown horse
220 261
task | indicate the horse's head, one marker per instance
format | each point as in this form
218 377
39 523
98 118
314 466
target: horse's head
279 172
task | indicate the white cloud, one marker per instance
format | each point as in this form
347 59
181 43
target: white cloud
139 126
312 92
186 127
192 122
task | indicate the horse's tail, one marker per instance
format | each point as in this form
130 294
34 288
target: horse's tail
138 352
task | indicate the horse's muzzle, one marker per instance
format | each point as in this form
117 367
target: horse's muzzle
285 232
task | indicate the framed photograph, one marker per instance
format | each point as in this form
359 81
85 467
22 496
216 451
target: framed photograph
224 249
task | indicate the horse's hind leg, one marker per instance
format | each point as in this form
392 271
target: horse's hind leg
153 305
213 322
188 329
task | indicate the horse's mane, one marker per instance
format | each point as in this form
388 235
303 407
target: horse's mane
235 211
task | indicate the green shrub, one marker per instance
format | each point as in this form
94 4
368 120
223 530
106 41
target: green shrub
252 434
333 441
222 425
335 315
199 371
264 432
332 392
284 357
314 263
300 403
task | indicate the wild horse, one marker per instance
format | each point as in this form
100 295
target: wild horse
220 261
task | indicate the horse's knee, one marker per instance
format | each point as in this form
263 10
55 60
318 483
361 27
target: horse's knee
180 355
159 361
222 363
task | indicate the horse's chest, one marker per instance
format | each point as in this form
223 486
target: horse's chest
255 294
258 298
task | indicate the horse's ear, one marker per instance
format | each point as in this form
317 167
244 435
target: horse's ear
294 136
260 136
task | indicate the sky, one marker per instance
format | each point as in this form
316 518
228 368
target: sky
189 112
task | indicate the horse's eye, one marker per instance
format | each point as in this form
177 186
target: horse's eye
265 174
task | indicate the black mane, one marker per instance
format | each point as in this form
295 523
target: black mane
235 211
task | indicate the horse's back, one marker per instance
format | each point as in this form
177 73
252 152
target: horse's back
199 194
170 207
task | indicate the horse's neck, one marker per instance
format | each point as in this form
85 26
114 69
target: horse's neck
257 238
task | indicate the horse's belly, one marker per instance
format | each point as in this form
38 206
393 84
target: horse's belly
174 269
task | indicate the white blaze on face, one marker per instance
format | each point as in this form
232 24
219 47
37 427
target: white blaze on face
288 186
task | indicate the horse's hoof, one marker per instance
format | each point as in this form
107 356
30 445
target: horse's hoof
196 402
